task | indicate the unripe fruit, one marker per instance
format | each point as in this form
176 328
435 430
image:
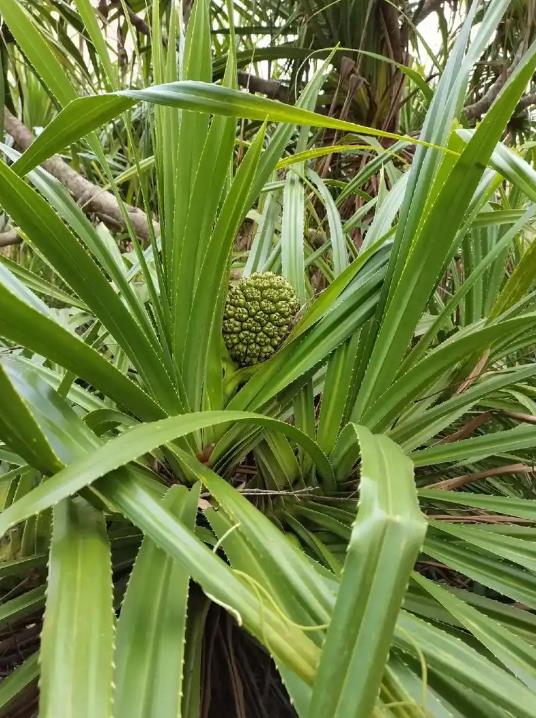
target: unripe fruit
258 317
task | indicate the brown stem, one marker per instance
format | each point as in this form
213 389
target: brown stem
475 373
468 428
458 481
526 418
92 199
135 20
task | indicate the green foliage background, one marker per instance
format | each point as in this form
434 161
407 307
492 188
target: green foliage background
361 503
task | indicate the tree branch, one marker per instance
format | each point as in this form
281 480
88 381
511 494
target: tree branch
91 198
135 20
270 88
478 108
426 8
10 237
526 101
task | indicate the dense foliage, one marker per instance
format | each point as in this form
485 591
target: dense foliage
334 515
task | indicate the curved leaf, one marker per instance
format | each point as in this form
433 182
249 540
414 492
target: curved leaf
85 114
134 443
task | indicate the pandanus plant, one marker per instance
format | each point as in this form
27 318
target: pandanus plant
140 459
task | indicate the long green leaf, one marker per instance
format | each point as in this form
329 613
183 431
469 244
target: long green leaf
501 576
38 50
515 653
385 541
434 242
20 429
248 559
134 443
152 624
58 244
285 640
85 114
203 336
478 447
23 605
134 494
77 639
511 548
89 16
292 234
511 506
16 682
30 327
447 654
